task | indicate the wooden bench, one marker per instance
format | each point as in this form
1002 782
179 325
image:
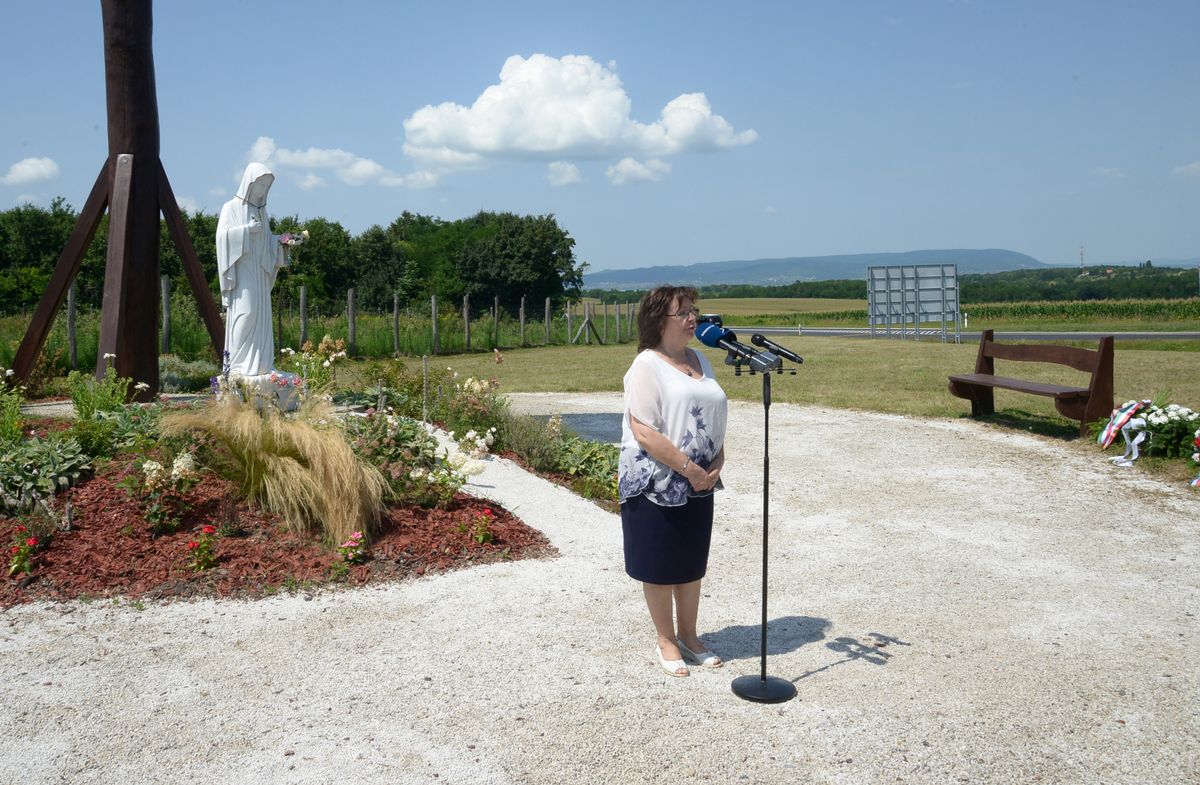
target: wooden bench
1086 404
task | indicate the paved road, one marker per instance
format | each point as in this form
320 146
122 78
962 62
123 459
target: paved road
967 337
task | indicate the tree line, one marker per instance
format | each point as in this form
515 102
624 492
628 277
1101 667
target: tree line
486 255
1055 284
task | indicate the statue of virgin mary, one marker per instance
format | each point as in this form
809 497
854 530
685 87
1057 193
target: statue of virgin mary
248 259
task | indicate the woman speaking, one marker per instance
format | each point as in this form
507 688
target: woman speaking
672 451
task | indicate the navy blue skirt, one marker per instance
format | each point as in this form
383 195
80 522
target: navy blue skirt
667 545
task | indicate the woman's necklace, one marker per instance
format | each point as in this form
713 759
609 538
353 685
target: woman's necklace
684 366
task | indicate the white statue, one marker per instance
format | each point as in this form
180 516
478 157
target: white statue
248 259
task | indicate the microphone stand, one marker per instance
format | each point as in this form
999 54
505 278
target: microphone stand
764 688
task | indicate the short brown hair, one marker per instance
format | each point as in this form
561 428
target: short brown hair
654 309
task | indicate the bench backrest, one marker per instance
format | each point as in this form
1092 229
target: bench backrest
1098 362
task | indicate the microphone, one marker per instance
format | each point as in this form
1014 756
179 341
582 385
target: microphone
758 339
710 334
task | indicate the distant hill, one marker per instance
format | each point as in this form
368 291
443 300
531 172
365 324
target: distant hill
766 272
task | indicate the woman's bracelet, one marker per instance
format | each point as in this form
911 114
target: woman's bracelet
686 462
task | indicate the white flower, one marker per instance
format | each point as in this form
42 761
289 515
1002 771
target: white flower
184 467
325 364
141 386
109 356
9 372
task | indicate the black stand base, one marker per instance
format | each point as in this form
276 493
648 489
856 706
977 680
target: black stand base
763 689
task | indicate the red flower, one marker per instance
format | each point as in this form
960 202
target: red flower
13 550
193 545
22 529
487 511
209 530
31 542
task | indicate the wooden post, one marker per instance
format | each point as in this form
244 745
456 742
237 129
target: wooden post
522 320
72 342
433 309
350 318
165 296
587 320
618 322
467 320
132 268
303 315
395 323
606 322
547 321
496 321
570 331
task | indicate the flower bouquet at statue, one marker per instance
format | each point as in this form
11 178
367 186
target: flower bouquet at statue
291 239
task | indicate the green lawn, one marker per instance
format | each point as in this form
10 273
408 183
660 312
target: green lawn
900 377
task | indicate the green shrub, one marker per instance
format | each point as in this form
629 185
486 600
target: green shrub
32 471
91 395
10 413
177 376
534 442
409 458
96 437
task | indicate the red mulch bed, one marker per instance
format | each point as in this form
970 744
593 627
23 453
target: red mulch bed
110 551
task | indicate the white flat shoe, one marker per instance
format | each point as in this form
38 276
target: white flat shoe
671 666
706 658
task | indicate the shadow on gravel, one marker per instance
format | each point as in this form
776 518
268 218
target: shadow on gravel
1031 422
853 650
784 634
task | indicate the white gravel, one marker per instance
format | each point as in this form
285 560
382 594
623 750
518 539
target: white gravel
1037 605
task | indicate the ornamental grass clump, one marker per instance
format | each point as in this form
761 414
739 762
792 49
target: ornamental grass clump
298 465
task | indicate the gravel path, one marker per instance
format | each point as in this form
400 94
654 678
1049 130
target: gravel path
955 603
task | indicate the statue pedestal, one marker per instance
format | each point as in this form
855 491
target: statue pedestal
277 388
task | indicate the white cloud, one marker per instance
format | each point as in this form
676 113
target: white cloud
221 191
309 182
345 166
771 211
563 173
1187 170
30 170
26 199
1109 171
553 108
628 170
188 203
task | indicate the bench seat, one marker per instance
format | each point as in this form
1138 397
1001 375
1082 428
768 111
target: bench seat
1036 388
1085 404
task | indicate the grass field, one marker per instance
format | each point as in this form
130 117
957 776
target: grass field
900 377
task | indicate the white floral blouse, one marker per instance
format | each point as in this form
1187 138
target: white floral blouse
691 412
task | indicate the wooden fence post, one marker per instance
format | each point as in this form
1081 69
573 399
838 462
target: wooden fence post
570 332
164 283
618 323
437 344
303 316
467 320
547 321
350 314
522 320
496 321
395 323
606 322
72 343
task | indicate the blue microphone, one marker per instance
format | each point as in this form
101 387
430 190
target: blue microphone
718 337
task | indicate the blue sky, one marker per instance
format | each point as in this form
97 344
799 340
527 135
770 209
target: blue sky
657 133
